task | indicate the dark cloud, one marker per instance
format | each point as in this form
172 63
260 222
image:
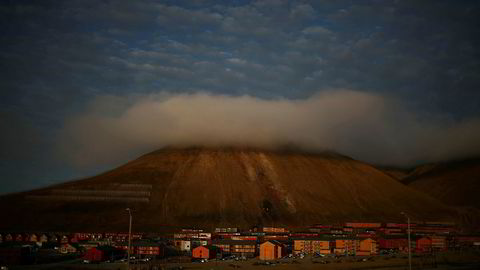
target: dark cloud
56 57
366 126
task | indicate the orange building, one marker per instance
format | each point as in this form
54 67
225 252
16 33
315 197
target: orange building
204 252
244 248
346 246
311 246
367 247
272 250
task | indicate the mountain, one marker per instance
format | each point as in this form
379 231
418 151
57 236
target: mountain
454 183
208 187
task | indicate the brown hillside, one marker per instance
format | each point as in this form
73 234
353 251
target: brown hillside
454 183
218 187
396 173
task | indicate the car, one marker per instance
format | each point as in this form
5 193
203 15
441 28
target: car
86 261
3 267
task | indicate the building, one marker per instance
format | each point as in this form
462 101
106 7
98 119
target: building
394 243
182 245
226 230
241 248
18 237
346 246
423 245
53 238
204 252
150 249
32 238
367 247
272 250
8 237
67 248
311 246
43 238
103 253
64 239
196 237
439 243
270 229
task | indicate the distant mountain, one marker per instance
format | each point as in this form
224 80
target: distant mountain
455 183
208 187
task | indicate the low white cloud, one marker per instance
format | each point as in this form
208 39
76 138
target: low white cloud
365 126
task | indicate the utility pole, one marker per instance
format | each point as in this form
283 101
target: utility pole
129 237
409 244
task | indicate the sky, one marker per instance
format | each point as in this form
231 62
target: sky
88 85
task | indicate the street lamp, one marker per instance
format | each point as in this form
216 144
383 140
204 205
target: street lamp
129 237
409 245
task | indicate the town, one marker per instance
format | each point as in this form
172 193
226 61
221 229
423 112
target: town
185 245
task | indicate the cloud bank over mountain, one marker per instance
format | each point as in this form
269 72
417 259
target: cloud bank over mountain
366 126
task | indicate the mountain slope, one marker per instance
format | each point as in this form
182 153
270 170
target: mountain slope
222 187
454 183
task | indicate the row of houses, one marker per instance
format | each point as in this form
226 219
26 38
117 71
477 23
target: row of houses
353 238
64 238
272 249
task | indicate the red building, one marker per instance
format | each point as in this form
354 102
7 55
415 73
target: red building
204 252
103 253
149 249
393 243
423 245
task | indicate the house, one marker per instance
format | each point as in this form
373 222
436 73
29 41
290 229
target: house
272 250
33 238
43 238
311 245
396 243
204 252
67 248
346 246
72 239
53 238
241 248
367 247
8 237
182 245
103 253
19 237
64 239
423 245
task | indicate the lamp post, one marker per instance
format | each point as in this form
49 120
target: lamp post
409 245
129 237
